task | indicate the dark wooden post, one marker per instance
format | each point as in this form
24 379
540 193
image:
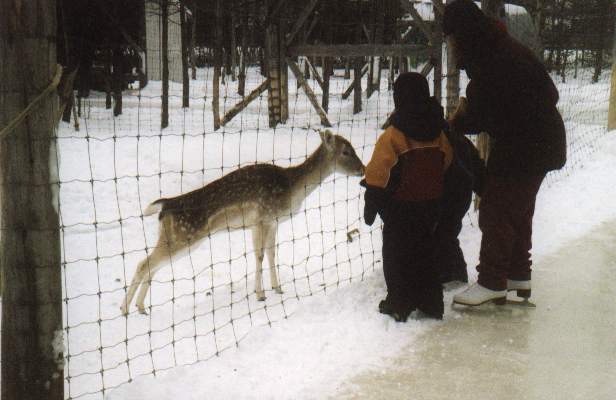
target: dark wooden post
453 81
357 64
117 80
30 255
272 55
611 115
241 87
107 53
374 76
437 49
192 45
164 48
327 73
184 42
233 39
283 68
217 63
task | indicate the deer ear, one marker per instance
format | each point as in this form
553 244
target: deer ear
327 137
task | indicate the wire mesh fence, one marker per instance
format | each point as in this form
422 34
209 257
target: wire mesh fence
113 164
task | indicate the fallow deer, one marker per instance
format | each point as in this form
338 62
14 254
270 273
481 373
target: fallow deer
254 197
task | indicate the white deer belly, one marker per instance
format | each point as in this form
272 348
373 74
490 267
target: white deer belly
236 216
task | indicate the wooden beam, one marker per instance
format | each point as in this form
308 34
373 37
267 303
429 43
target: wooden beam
236 109
348 91
427 68
356 50
315 73
417 20
299 22
311 96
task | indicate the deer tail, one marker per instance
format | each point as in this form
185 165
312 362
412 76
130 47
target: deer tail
154 208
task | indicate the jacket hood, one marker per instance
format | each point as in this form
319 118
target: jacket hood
419 123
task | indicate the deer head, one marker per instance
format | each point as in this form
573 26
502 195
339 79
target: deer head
342 153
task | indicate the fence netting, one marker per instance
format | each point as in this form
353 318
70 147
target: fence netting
114 161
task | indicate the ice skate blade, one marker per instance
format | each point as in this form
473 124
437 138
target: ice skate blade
498 301
521 303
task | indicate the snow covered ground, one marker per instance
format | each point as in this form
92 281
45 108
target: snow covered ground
206 336
331 339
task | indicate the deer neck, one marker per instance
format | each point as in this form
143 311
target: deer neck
309 174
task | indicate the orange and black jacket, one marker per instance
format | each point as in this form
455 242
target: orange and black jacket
405 170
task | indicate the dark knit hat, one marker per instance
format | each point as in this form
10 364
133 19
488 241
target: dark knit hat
411 90
463 16
417 115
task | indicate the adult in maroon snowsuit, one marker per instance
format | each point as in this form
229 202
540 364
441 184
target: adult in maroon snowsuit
512 98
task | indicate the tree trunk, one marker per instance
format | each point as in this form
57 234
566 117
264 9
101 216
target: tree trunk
30 253
164 116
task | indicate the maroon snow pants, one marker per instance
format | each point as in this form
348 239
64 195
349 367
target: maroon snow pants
506 220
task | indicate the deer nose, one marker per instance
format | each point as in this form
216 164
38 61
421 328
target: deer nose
362 170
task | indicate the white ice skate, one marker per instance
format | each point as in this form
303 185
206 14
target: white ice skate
522 289
476 295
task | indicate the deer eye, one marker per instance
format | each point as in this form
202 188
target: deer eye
346 152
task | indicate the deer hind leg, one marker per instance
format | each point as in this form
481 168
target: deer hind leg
258 244
155 264
145 270
270 250
167 246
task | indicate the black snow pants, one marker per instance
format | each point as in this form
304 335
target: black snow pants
449 259
409 247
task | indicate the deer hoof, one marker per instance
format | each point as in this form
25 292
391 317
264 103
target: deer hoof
124 310
278 290
261 296
142 310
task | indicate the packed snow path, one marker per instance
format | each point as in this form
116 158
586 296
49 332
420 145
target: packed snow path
563 349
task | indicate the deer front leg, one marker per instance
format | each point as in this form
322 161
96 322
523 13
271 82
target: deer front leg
270 249
257 242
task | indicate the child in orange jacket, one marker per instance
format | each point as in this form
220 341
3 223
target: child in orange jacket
404 184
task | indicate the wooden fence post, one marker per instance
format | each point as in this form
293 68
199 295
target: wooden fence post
30 256
357 64
184 40
437 49
164 15
217 64
453 81
611 114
